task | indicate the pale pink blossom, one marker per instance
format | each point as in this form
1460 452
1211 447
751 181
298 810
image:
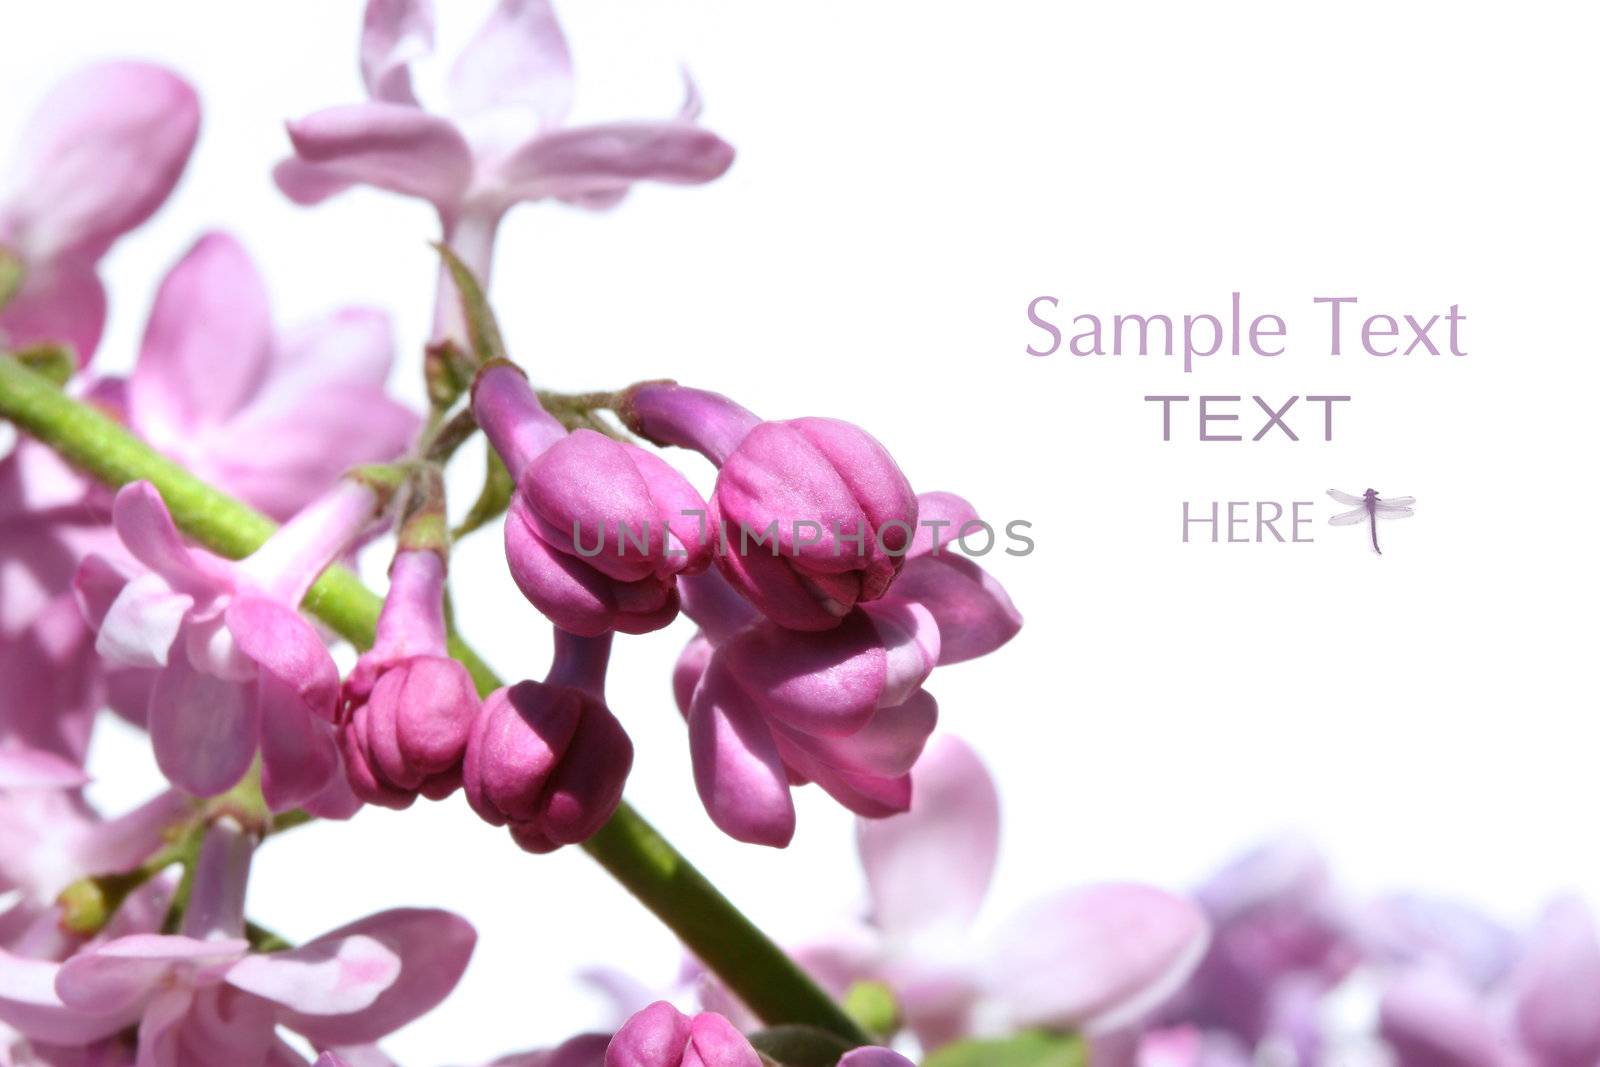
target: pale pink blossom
502 138
235 669
99 156
202 998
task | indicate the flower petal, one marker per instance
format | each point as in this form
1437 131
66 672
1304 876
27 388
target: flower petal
203 729
121 974
99 156
518 59
932 866
330 976
29 1002
716 1042
737 769
973 612
282 643
1096 958
433 948
402 149
1558 996
874 1057
394 34
26 768
298 754
940 520
207 346
146 529
307 184
142 623
603 161
657 1035
1432 1018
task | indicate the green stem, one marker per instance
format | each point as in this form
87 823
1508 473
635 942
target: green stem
752 966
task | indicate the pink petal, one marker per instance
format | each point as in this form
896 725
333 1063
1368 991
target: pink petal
207 346
49 674
29 1002
307 184
601 161
298 753
147 531
869 795
1096 958
940 520
96 586
142 623
330 976
99 156
26 768
518 59
122 974
402 149
282 643
932 866
60 303
394 34
433 947
716 1042
886 747
1558 989
825 682
737 769
203 729
1432 1019
974 614
874 1057
654 1037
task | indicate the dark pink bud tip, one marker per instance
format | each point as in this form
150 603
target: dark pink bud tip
814 517
549 760
411 734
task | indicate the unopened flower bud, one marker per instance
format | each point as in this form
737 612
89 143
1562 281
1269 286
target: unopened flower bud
812 515
598 530
662 1036
549 760
411 733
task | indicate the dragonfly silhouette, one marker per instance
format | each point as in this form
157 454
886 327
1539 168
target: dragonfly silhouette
1370 507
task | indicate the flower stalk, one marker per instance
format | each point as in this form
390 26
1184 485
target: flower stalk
628 847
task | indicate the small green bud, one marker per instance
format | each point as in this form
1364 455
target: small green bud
872 1005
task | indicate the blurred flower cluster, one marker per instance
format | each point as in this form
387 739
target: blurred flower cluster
825 589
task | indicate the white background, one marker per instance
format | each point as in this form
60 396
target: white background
909 176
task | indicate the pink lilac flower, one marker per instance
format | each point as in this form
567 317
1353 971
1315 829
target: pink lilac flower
98 157
264 415
548 758
662 1036
770 707
1093 959
408 707
811 515
236 670
52 837
598 530
502 141
202 998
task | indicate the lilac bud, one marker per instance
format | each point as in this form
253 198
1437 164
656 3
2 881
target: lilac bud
598 530
411 733
408 707
548 759
662 1036
812 514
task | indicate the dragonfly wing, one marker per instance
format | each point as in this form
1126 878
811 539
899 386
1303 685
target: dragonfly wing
1397 501
1347 499
1396 513
1349 518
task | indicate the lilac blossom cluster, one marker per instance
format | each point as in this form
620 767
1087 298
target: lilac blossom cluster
124 938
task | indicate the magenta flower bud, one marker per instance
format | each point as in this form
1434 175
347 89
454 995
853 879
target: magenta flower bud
408 707
410 735
662 1036
548 758
812 515
598 530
